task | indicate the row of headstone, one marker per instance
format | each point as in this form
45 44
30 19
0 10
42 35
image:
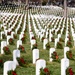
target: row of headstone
59 35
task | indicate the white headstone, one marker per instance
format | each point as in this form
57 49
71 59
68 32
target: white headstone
65 50
8 37
74 36
1 34
9 65
39 33
46 34
31 35
35 55
66 39
50 36
50 52
44 43
20 36
16 53
56 40
19 42
12 34
3 43
74 42
33 41
42 35
64 65
59 36
6 32
40 64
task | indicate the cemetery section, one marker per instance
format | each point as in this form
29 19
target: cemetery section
37 41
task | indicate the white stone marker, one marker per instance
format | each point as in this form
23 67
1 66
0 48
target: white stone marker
6 32
64 65
33 41
44 43
2 33
8 37
42 35
65 50
19 42
50 36
74 42
50 52
59 36
46 34
3 43
56 40
31 35
12 34
39 33
9 65
20 36
41 63
16 53
35 55
66 39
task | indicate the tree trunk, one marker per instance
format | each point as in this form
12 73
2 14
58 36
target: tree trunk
65 8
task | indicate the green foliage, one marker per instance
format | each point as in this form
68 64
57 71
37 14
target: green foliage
55 56
34 46
22 49
6 50
42 38
11 41
69 71
3 36
11 72
69 55
69 44
1 63
22 62
23 40
61 40
44 71
48 46
15 36
59 45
